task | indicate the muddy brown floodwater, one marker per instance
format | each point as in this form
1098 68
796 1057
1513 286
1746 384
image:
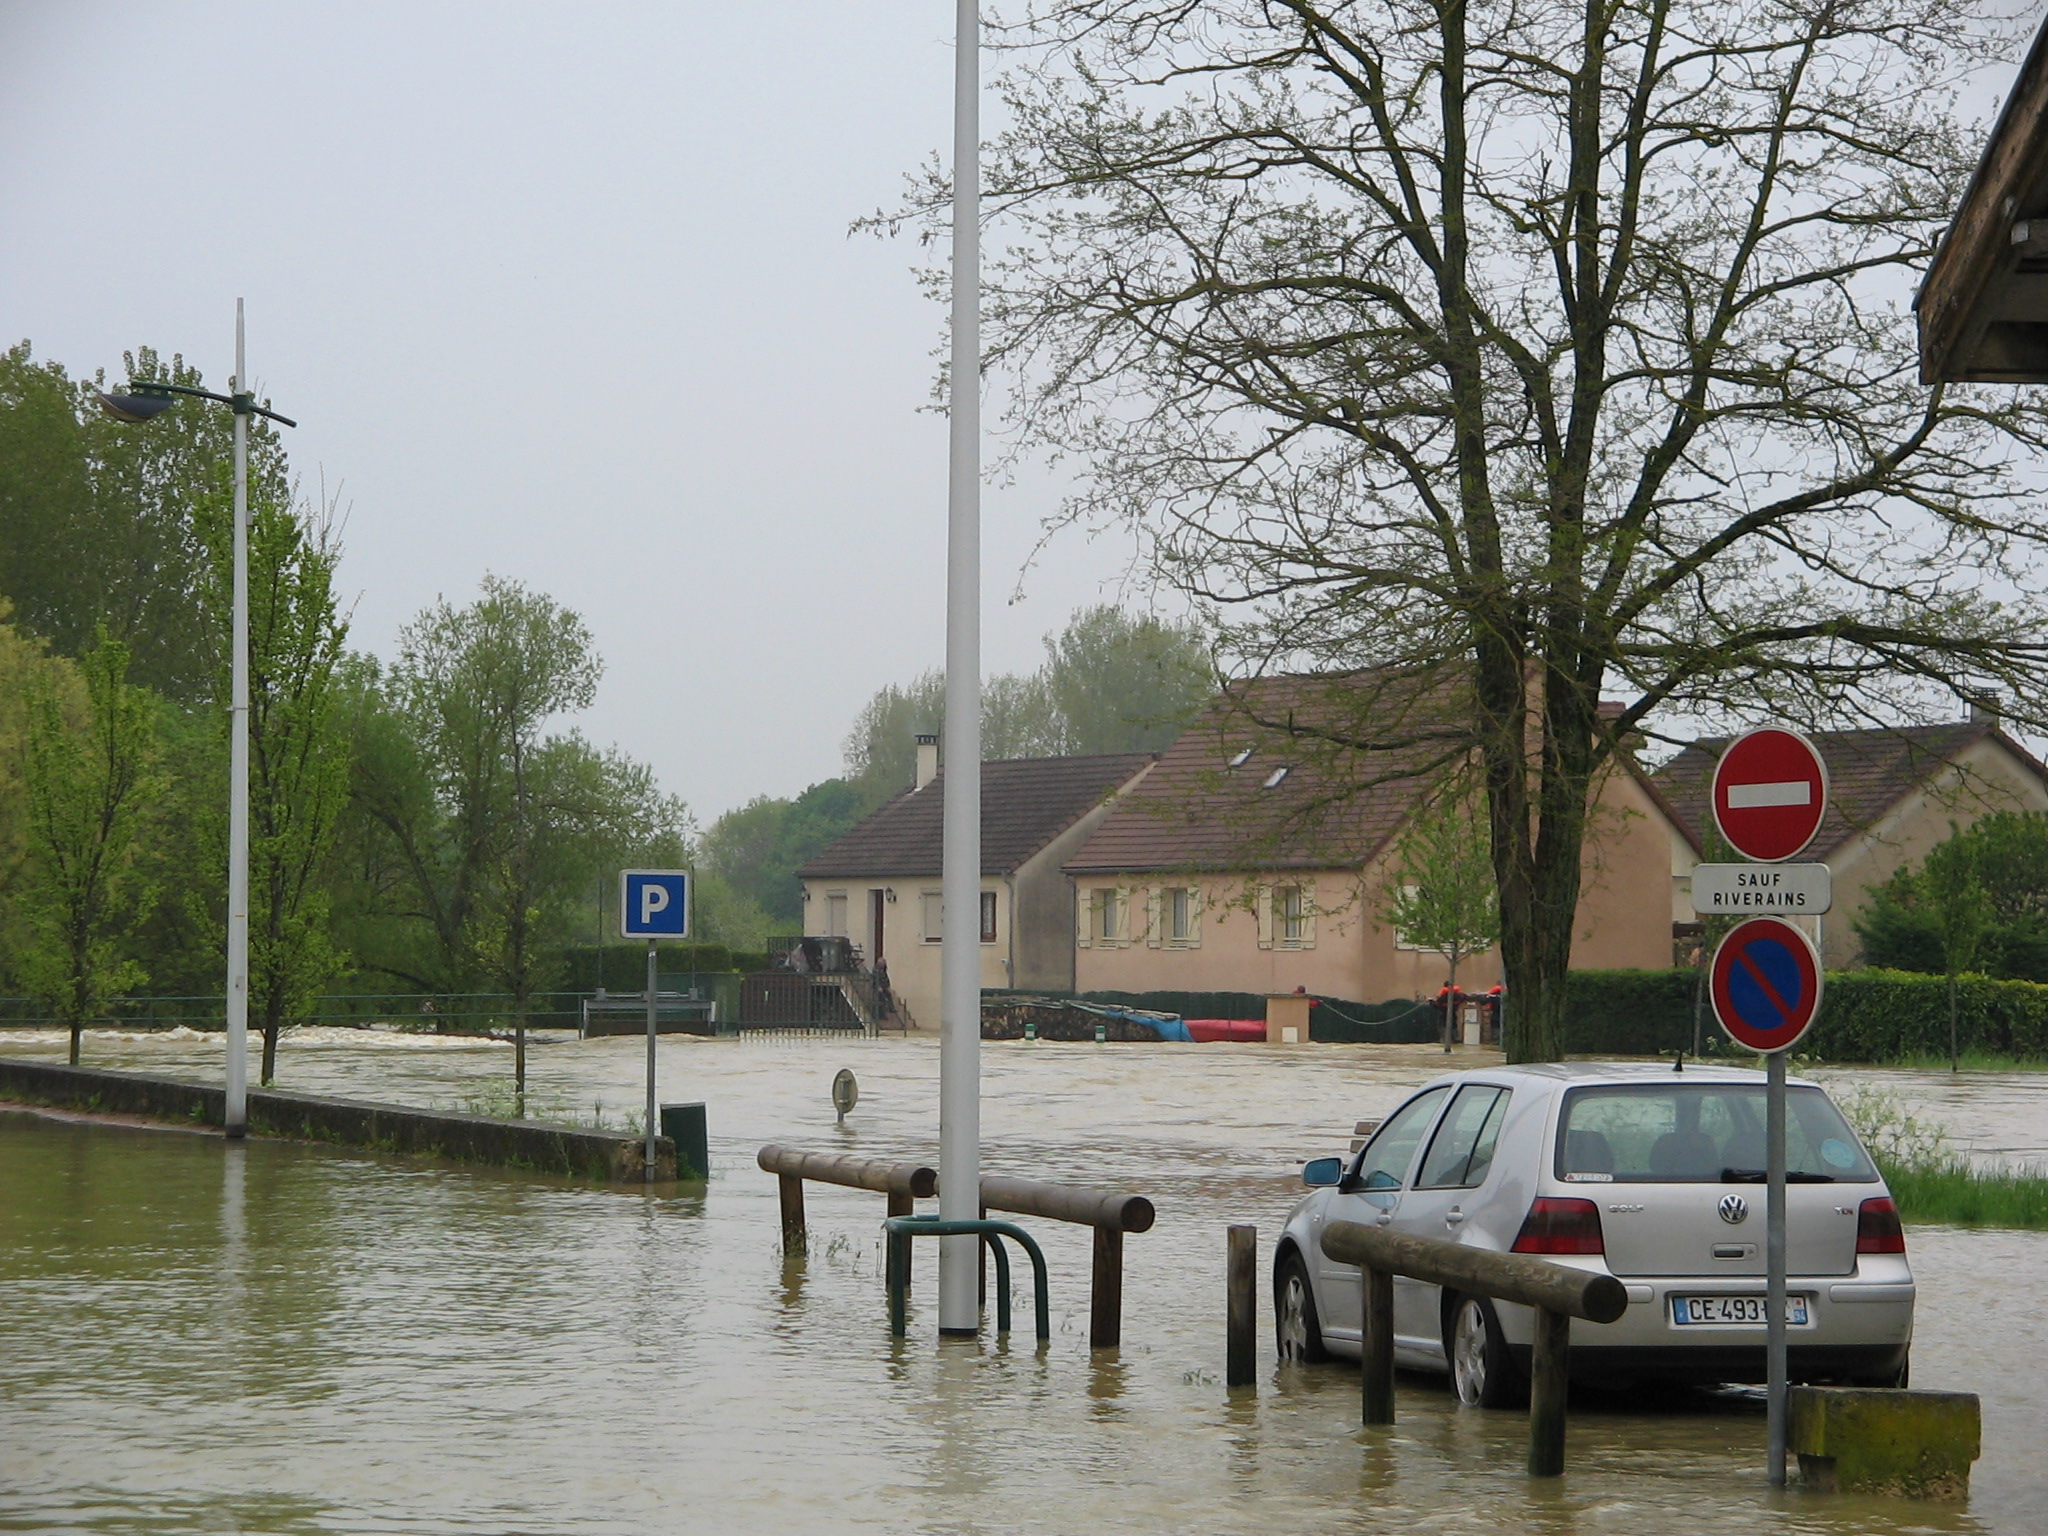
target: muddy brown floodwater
278 1338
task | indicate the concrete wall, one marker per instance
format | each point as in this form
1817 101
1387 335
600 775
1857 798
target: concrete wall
527 1144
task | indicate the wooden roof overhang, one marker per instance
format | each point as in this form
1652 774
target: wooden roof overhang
1983 309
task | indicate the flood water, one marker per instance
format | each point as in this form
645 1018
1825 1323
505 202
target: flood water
198 1336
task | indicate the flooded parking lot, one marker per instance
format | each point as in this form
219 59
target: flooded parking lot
206 1337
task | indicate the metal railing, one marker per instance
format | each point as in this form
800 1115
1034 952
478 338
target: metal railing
1558 1294
902 1229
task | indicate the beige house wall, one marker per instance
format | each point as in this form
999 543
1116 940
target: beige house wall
913 955
1624 922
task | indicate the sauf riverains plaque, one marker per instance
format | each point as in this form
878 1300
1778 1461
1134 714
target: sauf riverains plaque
1749 890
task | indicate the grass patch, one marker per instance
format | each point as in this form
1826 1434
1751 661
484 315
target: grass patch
1973 1061
1932 1180
499 1100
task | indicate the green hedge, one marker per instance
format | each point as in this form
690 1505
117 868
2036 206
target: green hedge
1398 1021
1864 1016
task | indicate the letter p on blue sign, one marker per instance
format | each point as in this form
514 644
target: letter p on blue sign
654 904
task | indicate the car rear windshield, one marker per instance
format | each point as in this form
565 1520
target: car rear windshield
1705 1133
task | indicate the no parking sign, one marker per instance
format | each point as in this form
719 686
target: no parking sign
1765 984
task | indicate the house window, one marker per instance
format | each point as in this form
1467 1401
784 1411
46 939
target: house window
1180 912
1274 778
932 908
1293 928
1241 758
835 914
1106 917
988 917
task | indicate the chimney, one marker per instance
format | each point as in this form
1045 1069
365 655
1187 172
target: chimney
927 759
1986 708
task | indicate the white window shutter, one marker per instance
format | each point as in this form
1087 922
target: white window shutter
1262 906
1154 932
1084 918
1308 917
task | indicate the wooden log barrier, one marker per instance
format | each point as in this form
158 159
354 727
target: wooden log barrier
1557 1292
1111 1213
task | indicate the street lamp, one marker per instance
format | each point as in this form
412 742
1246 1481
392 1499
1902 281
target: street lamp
146 399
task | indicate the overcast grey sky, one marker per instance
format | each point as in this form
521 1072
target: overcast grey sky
560 292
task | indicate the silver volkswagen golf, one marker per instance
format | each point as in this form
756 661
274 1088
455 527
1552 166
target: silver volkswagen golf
1655 1176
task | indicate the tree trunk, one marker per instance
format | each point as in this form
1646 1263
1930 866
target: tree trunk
77 1029
519 1057
1955 1059
270 1029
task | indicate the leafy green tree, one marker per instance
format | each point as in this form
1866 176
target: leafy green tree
1955 890
72 479
89 785
1441 895
1517 356
756 849
2006 854
1111 682
478 684
298 756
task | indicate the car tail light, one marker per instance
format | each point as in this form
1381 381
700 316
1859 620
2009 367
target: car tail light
1558 1225
1877 1227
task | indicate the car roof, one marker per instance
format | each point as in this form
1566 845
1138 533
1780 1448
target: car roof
1560 1075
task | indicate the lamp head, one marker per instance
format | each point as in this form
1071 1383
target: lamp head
139 405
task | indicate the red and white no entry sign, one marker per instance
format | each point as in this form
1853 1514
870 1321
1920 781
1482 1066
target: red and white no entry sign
1770 792
1765 984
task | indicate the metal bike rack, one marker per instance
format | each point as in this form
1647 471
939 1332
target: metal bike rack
902 1229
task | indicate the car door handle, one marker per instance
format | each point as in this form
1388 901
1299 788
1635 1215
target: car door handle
1453 1216
1386 1217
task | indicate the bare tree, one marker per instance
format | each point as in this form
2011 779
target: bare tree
1512 354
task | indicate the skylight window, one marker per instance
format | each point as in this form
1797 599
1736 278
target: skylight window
1273 779
1239 760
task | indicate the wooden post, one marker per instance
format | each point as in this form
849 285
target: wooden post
1549 1371
792 1189
1376 1347
1106 1290
1241 1271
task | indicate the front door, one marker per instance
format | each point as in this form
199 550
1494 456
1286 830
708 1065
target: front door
877 904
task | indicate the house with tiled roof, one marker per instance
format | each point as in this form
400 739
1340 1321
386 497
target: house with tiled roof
1259 855
1893 794
878 885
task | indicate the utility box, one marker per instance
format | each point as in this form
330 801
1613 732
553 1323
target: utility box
684 1125
1287 1018
1881 1440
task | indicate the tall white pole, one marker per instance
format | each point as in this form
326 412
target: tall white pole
238 769
960 957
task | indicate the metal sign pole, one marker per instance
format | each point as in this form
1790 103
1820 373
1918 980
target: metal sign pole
652 1126
1774 1252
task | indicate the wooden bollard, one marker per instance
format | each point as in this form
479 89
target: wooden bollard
1241 1310
1106 1290
1549 1388
791 1189
1376 1347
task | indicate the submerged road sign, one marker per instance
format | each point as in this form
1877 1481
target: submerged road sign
654 903
1765 984
1751 890
1770 791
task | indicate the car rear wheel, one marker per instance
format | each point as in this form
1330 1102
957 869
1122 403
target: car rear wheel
1482 1371
1295 1326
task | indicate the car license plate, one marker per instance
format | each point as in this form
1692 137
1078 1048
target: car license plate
1732 1311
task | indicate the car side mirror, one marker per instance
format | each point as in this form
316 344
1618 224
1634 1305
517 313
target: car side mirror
1322 1172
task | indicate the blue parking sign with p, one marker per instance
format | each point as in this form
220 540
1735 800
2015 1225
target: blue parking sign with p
654 903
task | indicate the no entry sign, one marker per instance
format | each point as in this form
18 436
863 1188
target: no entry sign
1770 791
1765 984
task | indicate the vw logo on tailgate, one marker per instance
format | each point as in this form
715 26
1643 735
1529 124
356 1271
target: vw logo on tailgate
1733 1209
